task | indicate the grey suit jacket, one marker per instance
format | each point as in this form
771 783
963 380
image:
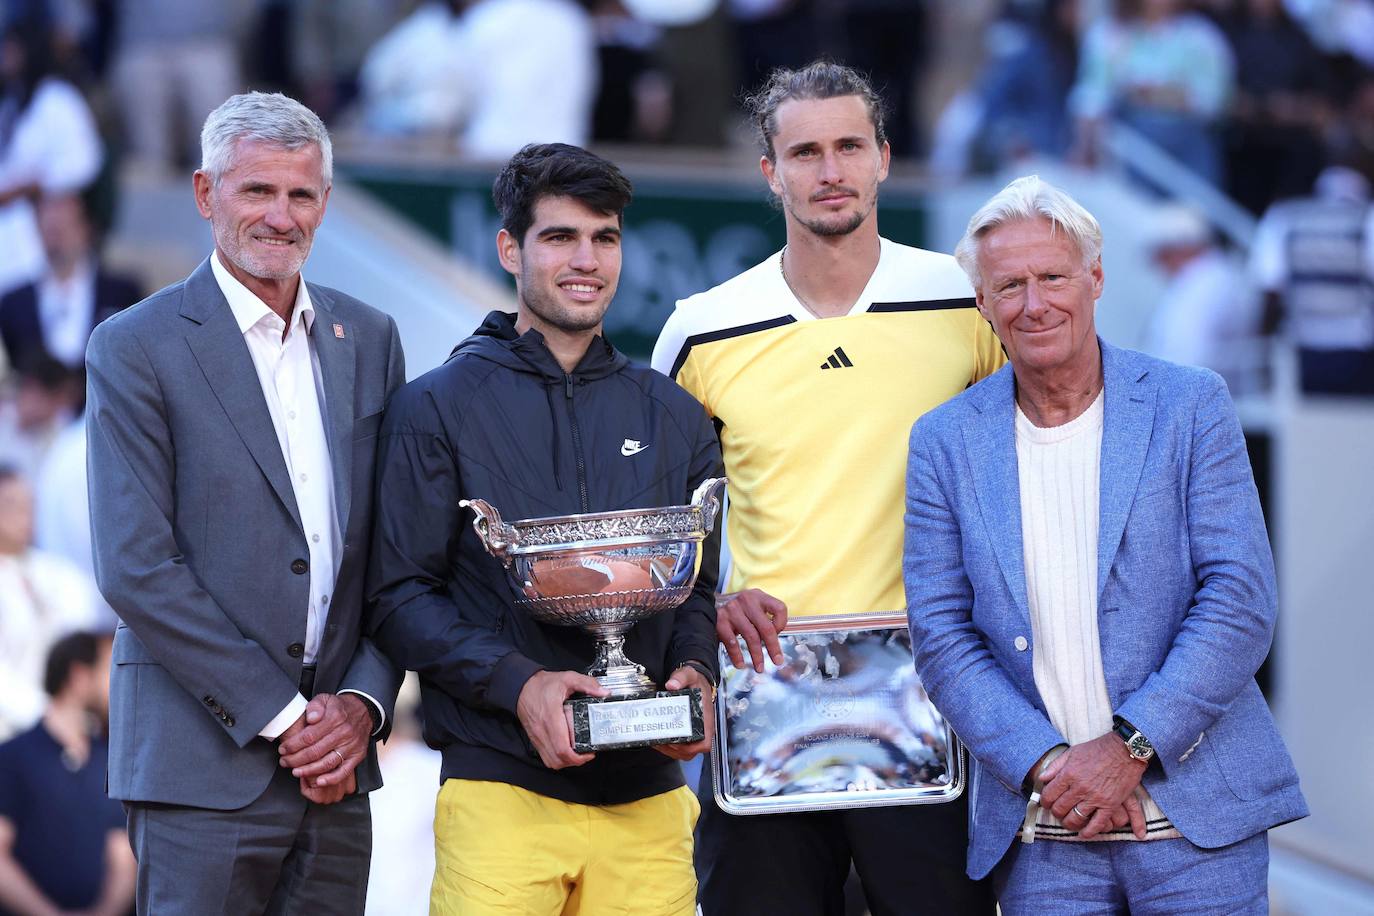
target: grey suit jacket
198 542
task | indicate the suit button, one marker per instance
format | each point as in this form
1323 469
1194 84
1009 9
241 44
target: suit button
300 567
1020 643
295 650
209 701
229 721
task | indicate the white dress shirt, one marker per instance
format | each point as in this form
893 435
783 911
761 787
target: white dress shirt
65 310
1058 470
289 372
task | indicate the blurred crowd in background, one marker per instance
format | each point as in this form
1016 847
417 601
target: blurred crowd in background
1268 101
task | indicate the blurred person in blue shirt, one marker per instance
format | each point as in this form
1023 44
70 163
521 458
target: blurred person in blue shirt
62 842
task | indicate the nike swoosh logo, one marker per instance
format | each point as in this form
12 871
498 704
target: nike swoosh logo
629 449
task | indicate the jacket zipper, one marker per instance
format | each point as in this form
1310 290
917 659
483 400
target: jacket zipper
577 445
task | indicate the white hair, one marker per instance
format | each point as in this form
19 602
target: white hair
1029 198
270 117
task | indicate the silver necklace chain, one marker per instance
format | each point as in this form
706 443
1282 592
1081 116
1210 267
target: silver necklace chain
782 269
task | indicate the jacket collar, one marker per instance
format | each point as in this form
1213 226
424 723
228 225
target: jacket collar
497 339
219 348
990 445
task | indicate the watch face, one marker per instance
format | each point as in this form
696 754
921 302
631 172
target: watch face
1140 746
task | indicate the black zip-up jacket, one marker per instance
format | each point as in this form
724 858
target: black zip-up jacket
500 420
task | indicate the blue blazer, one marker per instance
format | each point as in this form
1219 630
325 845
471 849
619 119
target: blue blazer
1186 600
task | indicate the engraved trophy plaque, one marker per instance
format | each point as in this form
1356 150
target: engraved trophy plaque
603 572
842 723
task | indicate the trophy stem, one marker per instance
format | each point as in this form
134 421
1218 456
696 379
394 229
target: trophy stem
614 670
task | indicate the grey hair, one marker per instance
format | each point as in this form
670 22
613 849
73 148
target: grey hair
270 117
1029 198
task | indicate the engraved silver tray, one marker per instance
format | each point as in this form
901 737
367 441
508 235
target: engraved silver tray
843 723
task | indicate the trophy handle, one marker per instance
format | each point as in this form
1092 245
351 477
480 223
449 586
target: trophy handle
706 500
496 536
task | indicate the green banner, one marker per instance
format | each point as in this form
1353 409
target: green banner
682 235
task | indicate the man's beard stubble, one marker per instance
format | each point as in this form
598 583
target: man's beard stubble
554 314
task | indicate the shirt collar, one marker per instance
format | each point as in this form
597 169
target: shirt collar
248 309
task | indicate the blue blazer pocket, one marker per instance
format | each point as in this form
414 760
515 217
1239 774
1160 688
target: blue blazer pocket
1246 748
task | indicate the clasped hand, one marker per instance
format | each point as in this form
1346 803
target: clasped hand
1091 787
325 745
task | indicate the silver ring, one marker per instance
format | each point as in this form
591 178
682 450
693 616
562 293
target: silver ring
340 756
1079 813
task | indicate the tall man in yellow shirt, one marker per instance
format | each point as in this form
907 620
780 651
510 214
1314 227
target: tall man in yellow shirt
814 364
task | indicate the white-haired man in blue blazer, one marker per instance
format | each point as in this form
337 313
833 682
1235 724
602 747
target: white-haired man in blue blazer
1091 590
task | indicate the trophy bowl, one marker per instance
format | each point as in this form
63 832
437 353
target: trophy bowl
603 572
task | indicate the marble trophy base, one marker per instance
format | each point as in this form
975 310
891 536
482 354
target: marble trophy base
655 717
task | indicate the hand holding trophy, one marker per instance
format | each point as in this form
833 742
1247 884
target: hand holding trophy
603 572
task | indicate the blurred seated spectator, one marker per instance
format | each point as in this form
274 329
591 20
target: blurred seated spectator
62 843
409 82
1314 259
53 317
503 74
62 518
42 598
1273 136
528 74
46 399
1208 314
1017 107
174 62
1163 71
48 145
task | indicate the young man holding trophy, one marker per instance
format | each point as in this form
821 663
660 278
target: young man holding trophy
537 415
814 365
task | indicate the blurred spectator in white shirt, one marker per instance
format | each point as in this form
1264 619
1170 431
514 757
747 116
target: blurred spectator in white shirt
62 523
48 145
1208 314
45 400
503 74
42 598
410 80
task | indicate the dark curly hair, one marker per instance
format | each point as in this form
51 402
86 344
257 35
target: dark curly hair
557 170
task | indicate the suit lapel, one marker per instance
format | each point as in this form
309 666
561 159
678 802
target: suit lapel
222 353
337 367
990 449
1128 418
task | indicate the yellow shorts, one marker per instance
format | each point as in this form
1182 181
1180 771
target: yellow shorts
502 849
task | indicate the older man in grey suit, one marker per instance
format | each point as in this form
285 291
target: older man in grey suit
232 419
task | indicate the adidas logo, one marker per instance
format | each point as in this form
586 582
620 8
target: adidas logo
838 360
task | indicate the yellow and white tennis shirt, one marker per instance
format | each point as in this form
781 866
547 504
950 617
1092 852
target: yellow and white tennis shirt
814 417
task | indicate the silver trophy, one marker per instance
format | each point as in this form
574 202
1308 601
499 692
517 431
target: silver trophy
603 572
